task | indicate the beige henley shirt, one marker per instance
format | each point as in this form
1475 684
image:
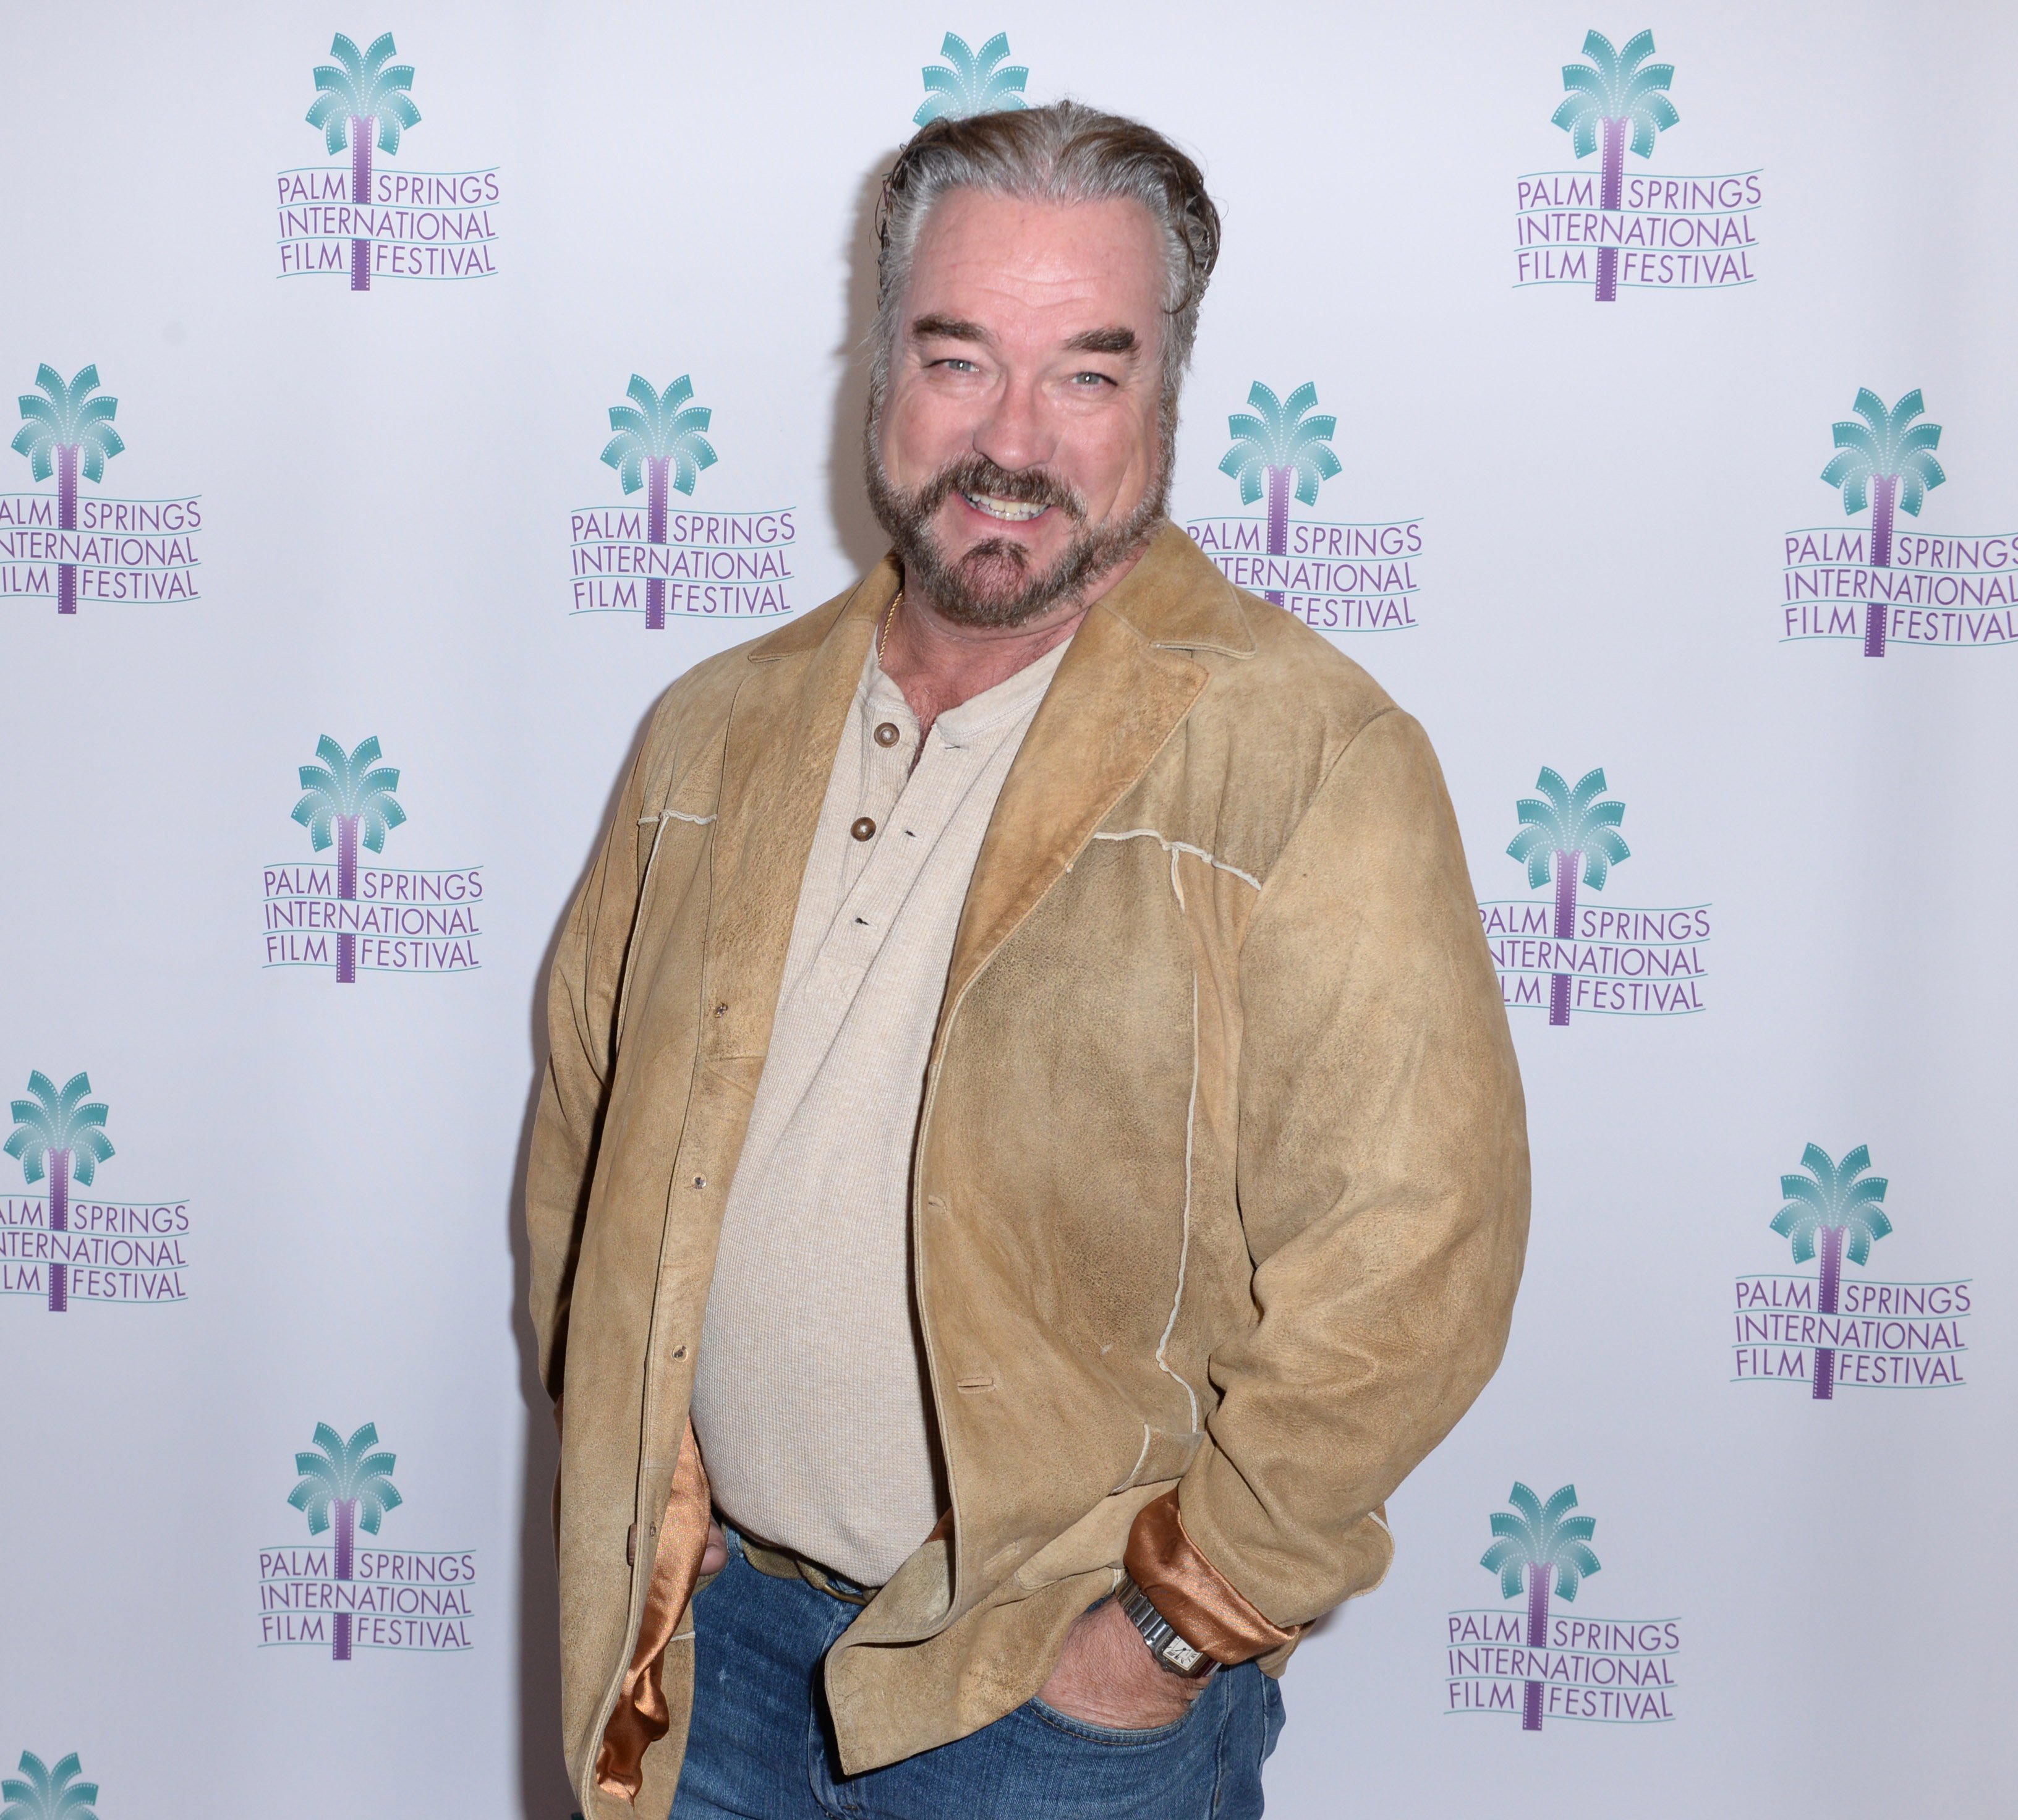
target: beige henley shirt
810 1400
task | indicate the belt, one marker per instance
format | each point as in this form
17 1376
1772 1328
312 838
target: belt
782 1564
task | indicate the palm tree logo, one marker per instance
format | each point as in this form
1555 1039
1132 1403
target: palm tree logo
346 797
1551 1547
358 93
658 437
1887 460
58 426
346 1479
1837 1203
1282 443
42 1793
966 85
1568 830
1614 90
63 1135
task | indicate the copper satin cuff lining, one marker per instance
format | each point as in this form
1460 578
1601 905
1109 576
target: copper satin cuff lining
642 1716
1197 1600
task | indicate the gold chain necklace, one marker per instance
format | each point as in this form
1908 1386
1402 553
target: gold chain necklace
889 619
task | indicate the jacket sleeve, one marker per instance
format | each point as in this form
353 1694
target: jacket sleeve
582 991
1382 1174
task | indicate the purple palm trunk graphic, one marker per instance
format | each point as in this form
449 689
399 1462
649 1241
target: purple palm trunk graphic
346 888
1831 1298
1885 498
346 1548
1568 866
59 1222
1278 521
67 521
655 533
360 193
1611 197
1538 1638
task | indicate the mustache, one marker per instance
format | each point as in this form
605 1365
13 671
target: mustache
977 474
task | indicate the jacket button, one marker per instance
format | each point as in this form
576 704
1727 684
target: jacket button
864 829
887 734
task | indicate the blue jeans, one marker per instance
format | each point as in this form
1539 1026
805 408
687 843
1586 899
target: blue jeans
761 1745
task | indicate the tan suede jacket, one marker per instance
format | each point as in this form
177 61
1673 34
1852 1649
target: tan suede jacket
1220 1187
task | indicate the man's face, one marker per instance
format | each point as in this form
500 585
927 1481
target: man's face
1018 455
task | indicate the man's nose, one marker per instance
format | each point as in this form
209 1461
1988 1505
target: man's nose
1016 433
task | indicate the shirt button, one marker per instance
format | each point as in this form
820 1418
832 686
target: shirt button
887 734
864 829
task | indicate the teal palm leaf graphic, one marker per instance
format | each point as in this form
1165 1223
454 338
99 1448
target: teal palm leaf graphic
1563 821
1832 1194
1275 434
965 83
51 1120
1616 85
363 86
653 428
1885 444
357 786
1545 1535
337 1470
67 416
41 1793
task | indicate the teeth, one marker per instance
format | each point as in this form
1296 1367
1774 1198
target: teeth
1015 511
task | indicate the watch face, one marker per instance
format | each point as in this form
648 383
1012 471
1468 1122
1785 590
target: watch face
1181 1655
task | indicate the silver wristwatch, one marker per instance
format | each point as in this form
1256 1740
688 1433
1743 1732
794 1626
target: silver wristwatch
1170 1650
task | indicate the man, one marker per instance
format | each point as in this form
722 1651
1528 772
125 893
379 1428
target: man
1031 1118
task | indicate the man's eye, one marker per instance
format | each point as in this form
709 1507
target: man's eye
1091 379
955 362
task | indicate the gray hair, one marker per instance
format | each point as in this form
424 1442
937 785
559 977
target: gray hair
1066 152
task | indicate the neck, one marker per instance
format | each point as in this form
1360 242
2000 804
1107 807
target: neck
939 662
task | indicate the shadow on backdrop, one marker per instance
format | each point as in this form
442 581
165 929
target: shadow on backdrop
860 536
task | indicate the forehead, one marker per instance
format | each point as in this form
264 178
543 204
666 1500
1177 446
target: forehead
1008 261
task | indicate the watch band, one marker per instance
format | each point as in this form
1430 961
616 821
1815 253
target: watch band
1172 1652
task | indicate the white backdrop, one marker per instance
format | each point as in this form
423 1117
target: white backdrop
1602 496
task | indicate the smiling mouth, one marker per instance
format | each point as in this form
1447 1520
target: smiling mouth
1009 511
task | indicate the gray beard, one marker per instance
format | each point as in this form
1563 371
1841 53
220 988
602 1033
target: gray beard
993 584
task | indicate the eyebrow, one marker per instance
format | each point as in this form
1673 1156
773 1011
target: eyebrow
938 327
1104 341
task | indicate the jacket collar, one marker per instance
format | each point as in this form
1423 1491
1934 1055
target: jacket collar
1173 597
868 599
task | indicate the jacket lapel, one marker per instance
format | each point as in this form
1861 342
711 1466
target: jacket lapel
1124 686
